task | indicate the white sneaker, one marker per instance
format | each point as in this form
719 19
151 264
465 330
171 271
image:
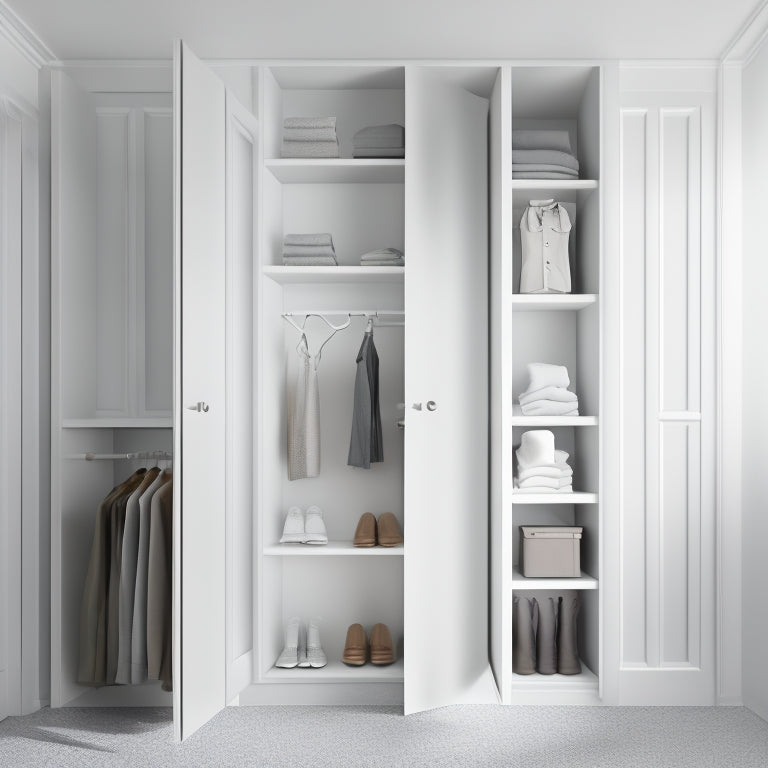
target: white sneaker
315 654
289 658
314 527
293 531
303 661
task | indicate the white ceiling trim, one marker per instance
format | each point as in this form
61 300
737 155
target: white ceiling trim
749 38
23 38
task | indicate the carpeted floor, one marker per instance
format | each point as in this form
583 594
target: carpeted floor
359 737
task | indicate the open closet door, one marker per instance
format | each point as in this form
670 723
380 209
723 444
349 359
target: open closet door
446 389
200 393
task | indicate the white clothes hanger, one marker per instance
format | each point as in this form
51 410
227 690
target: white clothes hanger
301 329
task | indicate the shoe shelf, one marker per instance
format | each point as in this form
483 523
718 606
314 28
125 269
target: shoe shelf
519 420
336 275
586 681
344 170
534 302
338 672
585 581
331 549
578 497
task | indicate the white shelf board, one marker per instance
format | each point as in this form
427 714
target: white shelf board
338 170
585 681
332 548
519 420
585 581
109 422
558 185
535 302
294 275
338 672
579 497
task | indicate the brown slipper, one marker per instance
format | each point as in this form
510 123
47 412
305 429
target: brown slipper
382 648
356 646
365 533
390 534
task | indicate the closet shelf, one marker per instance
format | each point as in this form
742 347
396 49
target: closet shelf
331 549
584 581
337 275
109 422
519 420
338 672
585 681
338 171
579 497
534 302
555 185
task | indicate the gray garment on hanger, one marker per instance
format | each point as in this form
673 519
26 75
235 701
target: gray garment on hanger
365 443
304 419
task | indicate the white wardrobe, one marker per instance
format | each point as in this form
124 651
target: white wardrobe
170 202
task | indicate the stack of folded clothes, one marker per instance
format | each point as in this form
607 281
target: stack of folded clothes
543 155
309 251
541 468
383 257
310 137
379 141
547 393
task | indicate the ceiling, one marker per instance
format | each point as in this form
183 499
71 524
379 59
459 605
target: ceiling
397 29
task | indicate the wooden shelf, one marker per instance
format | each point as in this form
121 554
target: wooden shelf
585 681
584 581
368 275
331 549
338 672
536 302
337 170
579 497
519 420
109 422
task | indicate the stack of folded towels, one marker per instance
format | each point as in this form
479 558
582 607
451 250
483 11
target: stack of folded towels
383 257
541 468
379 141
547 393
309 251
543 155
310 137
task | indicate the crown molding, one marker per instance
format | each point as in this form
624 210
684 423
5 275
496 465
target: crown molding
749 38
23 38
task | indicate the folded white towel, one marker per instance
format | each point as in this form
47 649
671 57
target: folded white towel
309 251
549 156
309 122
556 175
557 471
556 464
544 489
540 481
560 394
550 408
543 375
319 238
309 261
309 134
537 446
541 139
303 149
544 168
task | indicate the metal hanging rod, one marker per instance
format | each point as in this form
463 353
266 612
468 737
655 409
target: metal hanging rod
394 317
158 455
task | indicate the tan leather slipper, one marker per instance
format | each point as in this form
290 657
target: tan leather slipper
382 648
390 534
365 534
355 647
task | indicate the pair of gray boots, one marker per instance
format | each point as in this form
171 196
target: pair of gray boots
544 635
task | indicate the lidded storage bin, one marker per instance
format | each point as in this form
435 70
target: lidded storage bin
550 550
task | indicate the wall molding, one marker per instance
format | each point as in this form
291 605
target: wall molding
23 38
749 38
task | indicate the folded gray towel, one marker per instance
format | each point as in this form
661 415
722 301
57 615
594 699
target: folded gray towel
372 132
543 175
377 142
384 263
325 261
309 122
532 139
549 156
382 253
309 251
310 149
321 238
309 134
544 167
378 152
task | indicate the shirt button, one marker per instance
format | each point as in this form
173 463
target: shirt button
547 243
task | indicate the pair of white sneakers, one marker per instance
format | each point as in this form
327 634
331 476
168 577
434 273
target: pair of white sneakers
304 528
302 646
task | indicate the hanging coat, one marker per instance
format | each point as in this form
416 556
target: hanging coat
365 444
304 419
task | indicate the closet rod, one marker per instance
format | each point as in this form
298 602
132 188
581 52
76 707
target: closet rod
159 455
384 317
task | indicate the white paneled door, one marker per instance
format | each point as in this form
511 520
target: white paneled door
446 386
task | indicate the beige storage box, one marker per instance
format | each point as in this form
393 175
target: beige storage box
550 550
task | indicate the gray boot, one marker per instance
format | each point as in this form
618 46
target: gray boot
568 662
546 637
525 615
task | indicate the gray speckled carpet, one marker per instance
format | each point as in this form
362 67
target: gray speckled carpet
488 736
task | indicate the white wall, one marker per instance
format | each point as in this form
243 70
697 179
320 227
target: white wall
755 377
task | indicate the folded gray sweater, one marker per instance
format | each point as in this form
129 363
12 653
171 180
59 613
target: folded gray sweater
544 167
309 122
310 149
309 251
549 156
309 134
320 238
533 139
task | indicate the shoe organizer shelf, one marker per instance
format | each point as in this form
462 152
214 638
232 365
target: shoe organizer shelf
331 549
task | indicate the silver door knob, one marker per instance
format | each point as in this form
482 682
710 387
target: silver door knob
431 405
200 407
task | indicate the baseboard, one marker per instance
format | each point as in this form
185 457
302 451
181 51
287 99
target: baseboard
730 701
338 694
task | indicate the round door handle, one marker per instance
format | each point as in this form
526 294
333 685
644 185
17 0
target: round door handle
431 405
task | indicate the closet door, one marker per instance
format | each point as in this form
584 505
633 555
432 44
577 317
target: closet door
200 439
446 390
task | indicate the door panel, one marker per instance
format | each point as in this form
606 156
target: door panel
446 361
200 437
